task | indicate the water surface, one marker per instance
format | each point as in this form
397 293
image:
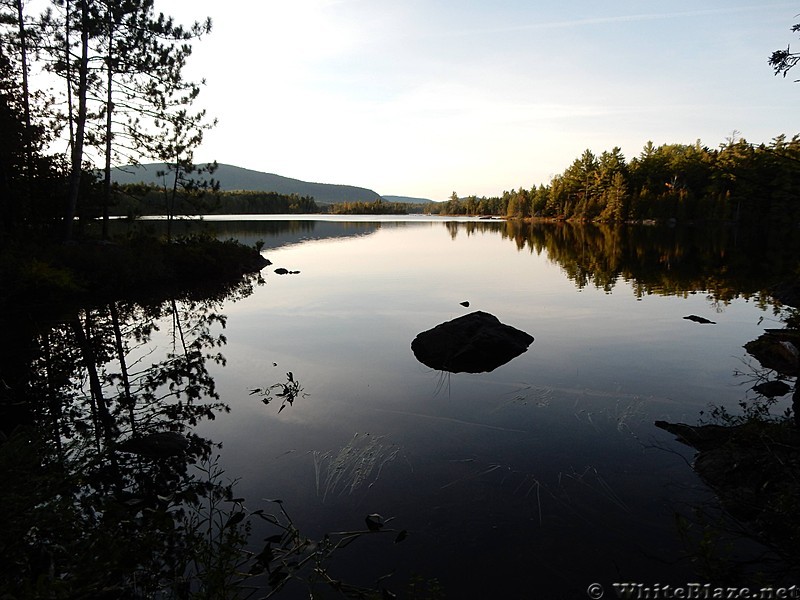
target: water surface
533 480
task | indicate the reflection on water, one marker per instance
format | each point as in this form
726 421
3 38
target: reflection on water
108 489
273 233
724 261
750 459
535 479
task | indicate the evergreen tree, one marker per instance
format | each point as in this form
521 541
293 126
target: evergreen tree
784 61
126 94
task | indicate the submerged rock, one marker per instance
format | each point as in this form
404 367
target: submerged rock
701 320
475 343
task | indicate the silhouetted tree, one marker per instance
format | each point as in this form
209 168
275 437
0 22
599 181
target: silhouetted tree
784 61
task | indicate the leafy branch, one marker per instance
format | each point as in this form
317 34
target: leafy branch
285 392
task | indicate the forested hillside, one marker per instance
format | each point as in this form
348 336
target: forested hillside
740 181
231 178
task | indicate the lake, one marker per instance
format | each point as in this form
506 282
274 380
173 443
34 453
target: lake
533 480
545 474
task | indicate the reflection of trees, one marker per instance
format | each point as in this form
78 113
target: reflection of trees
109 493
97 476
723 261
273 233
751 462
97 375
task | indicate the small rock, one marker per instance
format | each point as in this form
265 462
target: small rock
701 320
773 389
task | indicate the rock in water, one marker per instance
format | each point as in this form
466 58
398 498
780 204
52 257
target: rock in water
777 349
773 389
475 343
701 320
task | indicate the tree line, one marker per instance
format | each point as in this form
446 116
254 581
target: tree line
739 181
103 82
377 207
137 199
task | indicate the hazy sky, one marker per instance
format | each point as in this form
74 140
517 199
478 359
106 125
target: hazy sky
424 97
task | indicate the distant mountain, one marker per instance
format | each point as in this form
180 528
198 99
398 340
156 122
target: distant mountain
236 178
408 200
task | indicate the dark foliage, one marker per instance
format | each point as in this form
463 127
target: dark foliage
739 181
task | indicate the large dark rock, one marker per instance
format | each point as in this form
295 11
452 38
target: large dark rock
777 349
475 343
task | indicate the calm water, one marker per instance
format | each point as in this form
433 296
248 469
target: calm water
534 480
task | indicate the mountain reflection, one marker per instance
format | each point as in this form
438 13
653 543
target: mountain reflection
99 408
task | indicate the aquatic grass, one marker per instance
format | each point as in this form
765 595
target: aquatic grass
626 409
532 483
291 556
599 485
489 469
360 461
442 383
539 396
528 486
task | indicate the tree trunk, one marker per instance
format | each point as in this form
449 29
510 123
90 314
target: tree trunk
80 124
17 211
106 421
67 61
109 110
123 365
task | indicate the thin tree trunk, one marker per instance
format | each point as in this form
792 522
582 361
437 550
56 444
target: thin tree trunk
80 337
123 365
80 125
177 328
109 110
171 200
68 62
109 428
12 207
23 44
98 401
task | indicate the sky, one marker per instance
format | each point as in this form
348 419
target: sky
426 97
